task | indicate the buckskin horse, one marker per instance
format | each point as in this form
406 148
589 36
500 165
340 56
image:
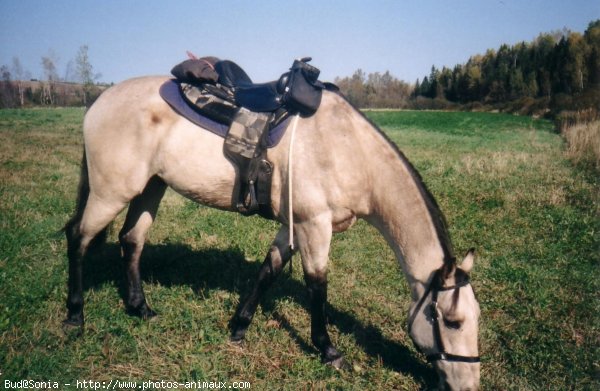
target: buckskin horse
343 168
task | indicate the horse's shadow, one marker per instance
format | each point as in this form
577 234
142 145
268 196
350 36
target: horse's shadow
206 270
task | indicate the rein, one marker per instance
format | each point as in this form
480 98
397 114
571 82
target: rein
435 289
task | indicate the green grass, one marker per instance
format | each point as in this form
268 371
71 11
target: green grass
503 182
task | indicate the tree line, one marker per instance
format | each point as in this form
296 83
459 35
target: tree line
564 66
77 87
557 71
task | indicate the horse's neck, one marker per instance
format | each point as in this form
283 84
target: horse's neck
406 214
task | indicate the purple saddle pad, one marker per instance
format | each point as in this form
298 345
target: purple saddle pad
170 91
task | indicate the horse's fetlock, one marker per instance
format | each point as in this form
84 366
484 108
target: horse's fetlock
321 341
244 318
75 303
136 300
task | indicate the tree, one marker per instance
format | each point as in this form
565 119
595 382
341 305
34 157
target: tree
50 75
575 67
374 90
85 72
7 90
592 37
425 87
20 75
417 89
49 65
433 83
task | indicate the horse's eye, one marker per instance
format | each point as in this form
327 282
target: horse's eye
452 324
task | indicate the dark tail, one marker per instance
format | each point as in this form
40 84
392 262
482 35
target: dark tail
83 192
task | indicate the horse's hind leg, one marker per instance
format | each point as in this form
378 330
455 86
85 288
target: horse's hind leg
279 254
92 219
140 216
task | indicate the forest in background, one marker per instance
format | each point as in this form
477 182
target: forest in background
557 71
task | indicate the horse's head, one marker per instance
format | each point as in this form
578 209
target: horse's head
444 326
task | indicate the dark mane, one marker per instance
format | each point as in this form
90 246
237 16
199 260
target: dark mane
438 218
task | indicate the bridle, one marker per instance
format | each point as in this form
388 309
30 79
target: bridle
435 287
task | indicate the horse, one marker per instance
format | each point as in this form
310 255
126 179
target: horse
343 168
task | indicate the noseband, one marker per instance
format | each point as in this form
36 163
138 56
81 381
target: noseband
435 288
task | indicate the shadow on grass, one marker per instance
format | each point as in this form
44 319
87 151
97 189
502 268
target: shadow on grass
178 265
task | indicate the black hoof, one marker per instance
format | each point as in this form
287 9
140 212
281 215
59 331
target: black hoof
149 314
238 327
142 311
237 336
338 363
330 356
72 327
237 342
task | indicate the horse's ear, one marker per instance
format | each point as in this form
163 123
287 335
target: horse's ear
467 263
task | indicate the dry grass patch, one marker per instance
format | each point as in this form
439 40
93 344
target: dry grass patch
583 143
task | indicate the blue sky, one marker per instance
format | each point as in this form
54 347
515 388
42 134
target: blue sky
133 38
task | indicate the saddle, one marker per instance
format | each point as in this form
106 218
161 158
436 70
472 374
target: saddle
219 96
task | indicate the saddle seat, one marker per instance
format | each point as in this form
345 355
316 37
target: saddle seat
258 97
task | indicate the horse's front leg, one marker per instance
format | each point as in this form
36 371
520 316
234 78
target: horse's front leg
279 254
314 239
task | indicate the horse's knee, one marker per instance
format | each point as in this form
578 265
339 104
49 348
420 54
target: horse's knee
131 243
271 267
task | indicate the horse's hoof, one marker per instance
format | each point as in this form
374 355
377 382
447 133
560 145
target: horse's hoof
237 334
72 328
338 363
149 314
237 339
238 343
144 312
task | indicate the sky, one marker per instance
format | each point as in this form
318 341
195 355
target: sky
134 38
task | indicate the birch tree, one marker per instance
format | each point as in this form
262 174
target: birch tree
85 72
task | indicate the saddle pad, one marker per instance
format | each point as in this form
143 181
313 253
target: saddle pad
170 91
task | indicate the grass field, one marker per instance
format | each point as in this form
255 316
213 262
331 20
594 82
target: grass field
503 182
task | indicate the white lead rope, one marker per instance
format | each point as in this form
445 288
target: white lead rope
290 207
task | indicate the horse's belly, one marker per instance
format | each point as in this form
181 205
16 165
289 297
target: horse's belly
191 161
